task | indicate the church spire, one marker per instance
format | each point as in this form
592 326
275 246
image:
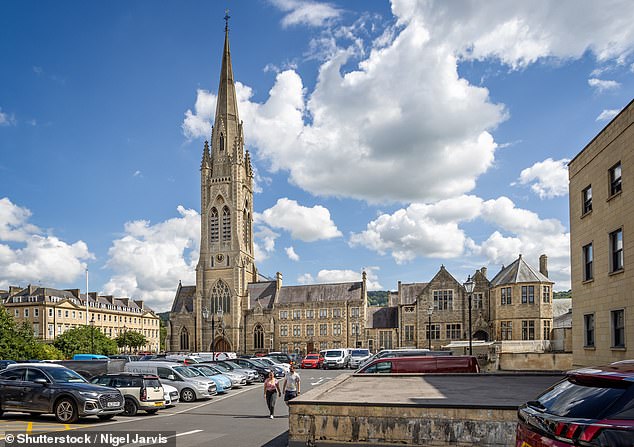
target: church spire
227 104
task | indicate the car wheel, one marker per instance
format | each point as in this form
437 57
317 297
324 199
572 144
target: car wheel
130 408
188 395
105 417
324 366
66 411
152 411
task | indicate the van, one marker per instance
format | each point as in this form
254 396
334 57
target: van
336 358
429 364
190 385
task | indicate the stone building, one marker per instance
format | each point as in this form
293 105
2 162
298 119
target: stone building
601 210
233 308
51 312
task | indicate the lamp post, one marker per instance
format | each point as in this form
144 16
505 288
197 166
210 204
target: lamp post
430 310
221 321
356 333
92 335
469 285
205 316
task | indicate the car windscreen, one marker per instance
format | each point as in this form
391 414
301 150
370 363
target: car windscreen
64 375
360 352
333 353
232 365
312 357
573 399
222 367
187 372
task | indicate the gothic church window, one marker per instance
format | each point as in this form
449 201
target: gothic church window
226 224
184 339
222 142
213 225
258 338
220 296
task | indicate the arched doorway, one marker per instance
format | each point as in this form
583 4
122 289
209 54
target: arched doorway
221 345
481 335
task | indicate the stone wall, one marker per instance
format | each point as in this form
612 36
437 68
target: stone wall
532 361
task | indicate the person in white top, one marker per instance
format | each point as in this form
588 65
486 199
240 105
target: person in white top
291 386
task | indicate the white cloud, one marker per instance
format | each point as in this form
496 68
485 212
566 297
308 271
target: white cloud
602 85
7 119
264 243
26 254
149 260
137 173
548 178
197 124
290 252
301 12
305 224
339 276
608 114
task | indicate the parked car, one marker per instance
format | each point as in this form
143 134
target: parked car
5 363
46 388
590 407
252 375
223 383
90 357
312 361
140 391
358 356
336 358
281 357
422 364
296 358
270 361
401 352
189 385
170 394
261 368
126 357
237 378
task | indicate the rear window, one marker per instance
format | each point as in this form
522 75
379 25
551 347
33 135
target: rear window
360 352
581 400
151 383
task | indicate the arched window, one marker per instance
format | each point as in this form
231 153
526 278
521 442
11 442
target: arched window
220 297
213 225
258 338
245 227
184 339
222 142
226 224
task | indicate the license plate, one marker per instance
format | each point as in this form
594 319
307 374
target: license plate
158 404
113 404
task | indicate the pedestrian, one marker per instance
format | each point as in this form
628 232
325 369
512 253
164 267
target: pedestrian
291 385
271 391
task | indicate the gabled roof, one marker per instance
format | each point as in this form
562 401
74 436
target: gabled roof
184 299
561 306
346 291
262 293
519 272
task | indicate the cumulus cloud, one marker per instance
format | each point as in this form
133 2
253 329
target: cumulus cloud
197 124
548 178
27 254
608 114
290 252
303 223
149 260
7 119
264 243
339 276
602 85
300 12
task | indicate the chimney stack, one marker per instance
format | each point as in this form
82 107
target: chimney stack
543 265
483 270
278 281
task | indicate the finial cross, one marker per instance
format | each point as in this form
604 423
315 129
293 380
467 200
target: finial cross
227 17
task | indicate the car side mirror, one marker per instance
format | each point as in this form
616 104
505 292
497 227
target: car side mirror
171 377
41 381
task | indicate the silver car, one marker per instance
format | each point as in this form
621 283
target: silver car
237 379
252 374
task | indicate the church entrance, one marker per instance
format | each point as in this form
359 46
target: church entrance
222 345
481 335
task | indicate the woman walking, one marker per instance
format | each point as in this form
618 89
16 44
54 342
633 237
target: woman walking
271 391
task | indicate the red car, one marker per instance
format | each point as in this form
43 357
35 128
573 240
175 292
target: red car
591 407
312 361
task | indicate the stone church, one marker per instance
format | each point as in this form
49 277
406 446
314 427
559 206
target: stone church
233 308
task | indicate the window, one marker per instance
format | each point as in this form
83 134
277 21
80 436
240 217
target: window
586 199
618 328
336 313
443 299
17 312
355 329
588 330
283 330
336 329
297 330
310 313
354 312
323 313
546 294
477 300
284 347
246 228
51 331
310 330
184 339
226 224
323 329
528 329
26 312
297 314
385 339
59 313
50 313
546 329
36 312
66 313
454 331
213 225
616 250
506 296
258 338
435 332
409 332
615 179
528 294
506 330
323 345
587 262
283 315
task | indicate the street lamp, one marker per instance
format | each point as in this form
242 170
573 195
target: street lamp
221 321
469 285
356 333
205 316
92 335
430 310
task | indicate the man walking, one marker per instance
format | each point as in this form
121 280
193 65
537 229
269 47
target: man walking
291 386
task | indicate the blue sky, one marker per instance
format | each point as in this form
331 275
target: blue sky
387 137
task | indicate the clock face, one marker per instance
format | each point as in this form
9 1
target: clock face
220 257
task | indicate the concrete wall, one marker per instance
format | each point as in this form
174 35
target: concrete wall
532 361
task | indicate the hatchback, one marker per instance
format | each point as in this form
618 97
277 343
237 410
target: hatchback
590 407
312 361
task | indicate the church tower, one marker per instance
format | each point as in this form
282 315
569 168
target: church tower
226 263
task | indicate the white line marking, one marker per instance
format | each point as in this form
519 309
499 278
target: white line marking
184 434
317 383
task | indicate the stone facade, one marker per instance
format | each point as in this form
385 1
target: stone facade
601 212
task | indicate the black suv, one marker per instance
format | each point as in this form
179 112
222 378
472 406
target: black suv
39 388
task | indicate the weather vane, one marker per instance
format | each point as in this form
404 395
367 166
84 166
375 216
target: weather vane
227 17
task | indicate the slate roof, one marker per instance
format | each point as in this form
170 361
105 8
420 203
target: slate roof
262 293
561 306
519 272
382 317
563 320
347 291
409 292
184 298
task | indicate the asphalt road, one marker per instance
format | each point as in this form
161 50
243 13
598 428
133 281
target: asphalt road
239 417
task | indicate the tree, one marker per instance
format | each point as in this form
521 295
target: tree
132 339
17 341
82 339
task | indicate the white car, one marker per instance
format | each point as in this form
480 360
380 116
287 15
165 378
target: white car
171 395
273 362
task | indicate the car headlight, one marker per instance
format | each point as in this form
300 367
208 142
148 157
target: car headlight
92 394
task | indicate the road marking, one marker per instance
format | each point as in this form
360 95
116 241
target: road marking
29 427
317 383
184 434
